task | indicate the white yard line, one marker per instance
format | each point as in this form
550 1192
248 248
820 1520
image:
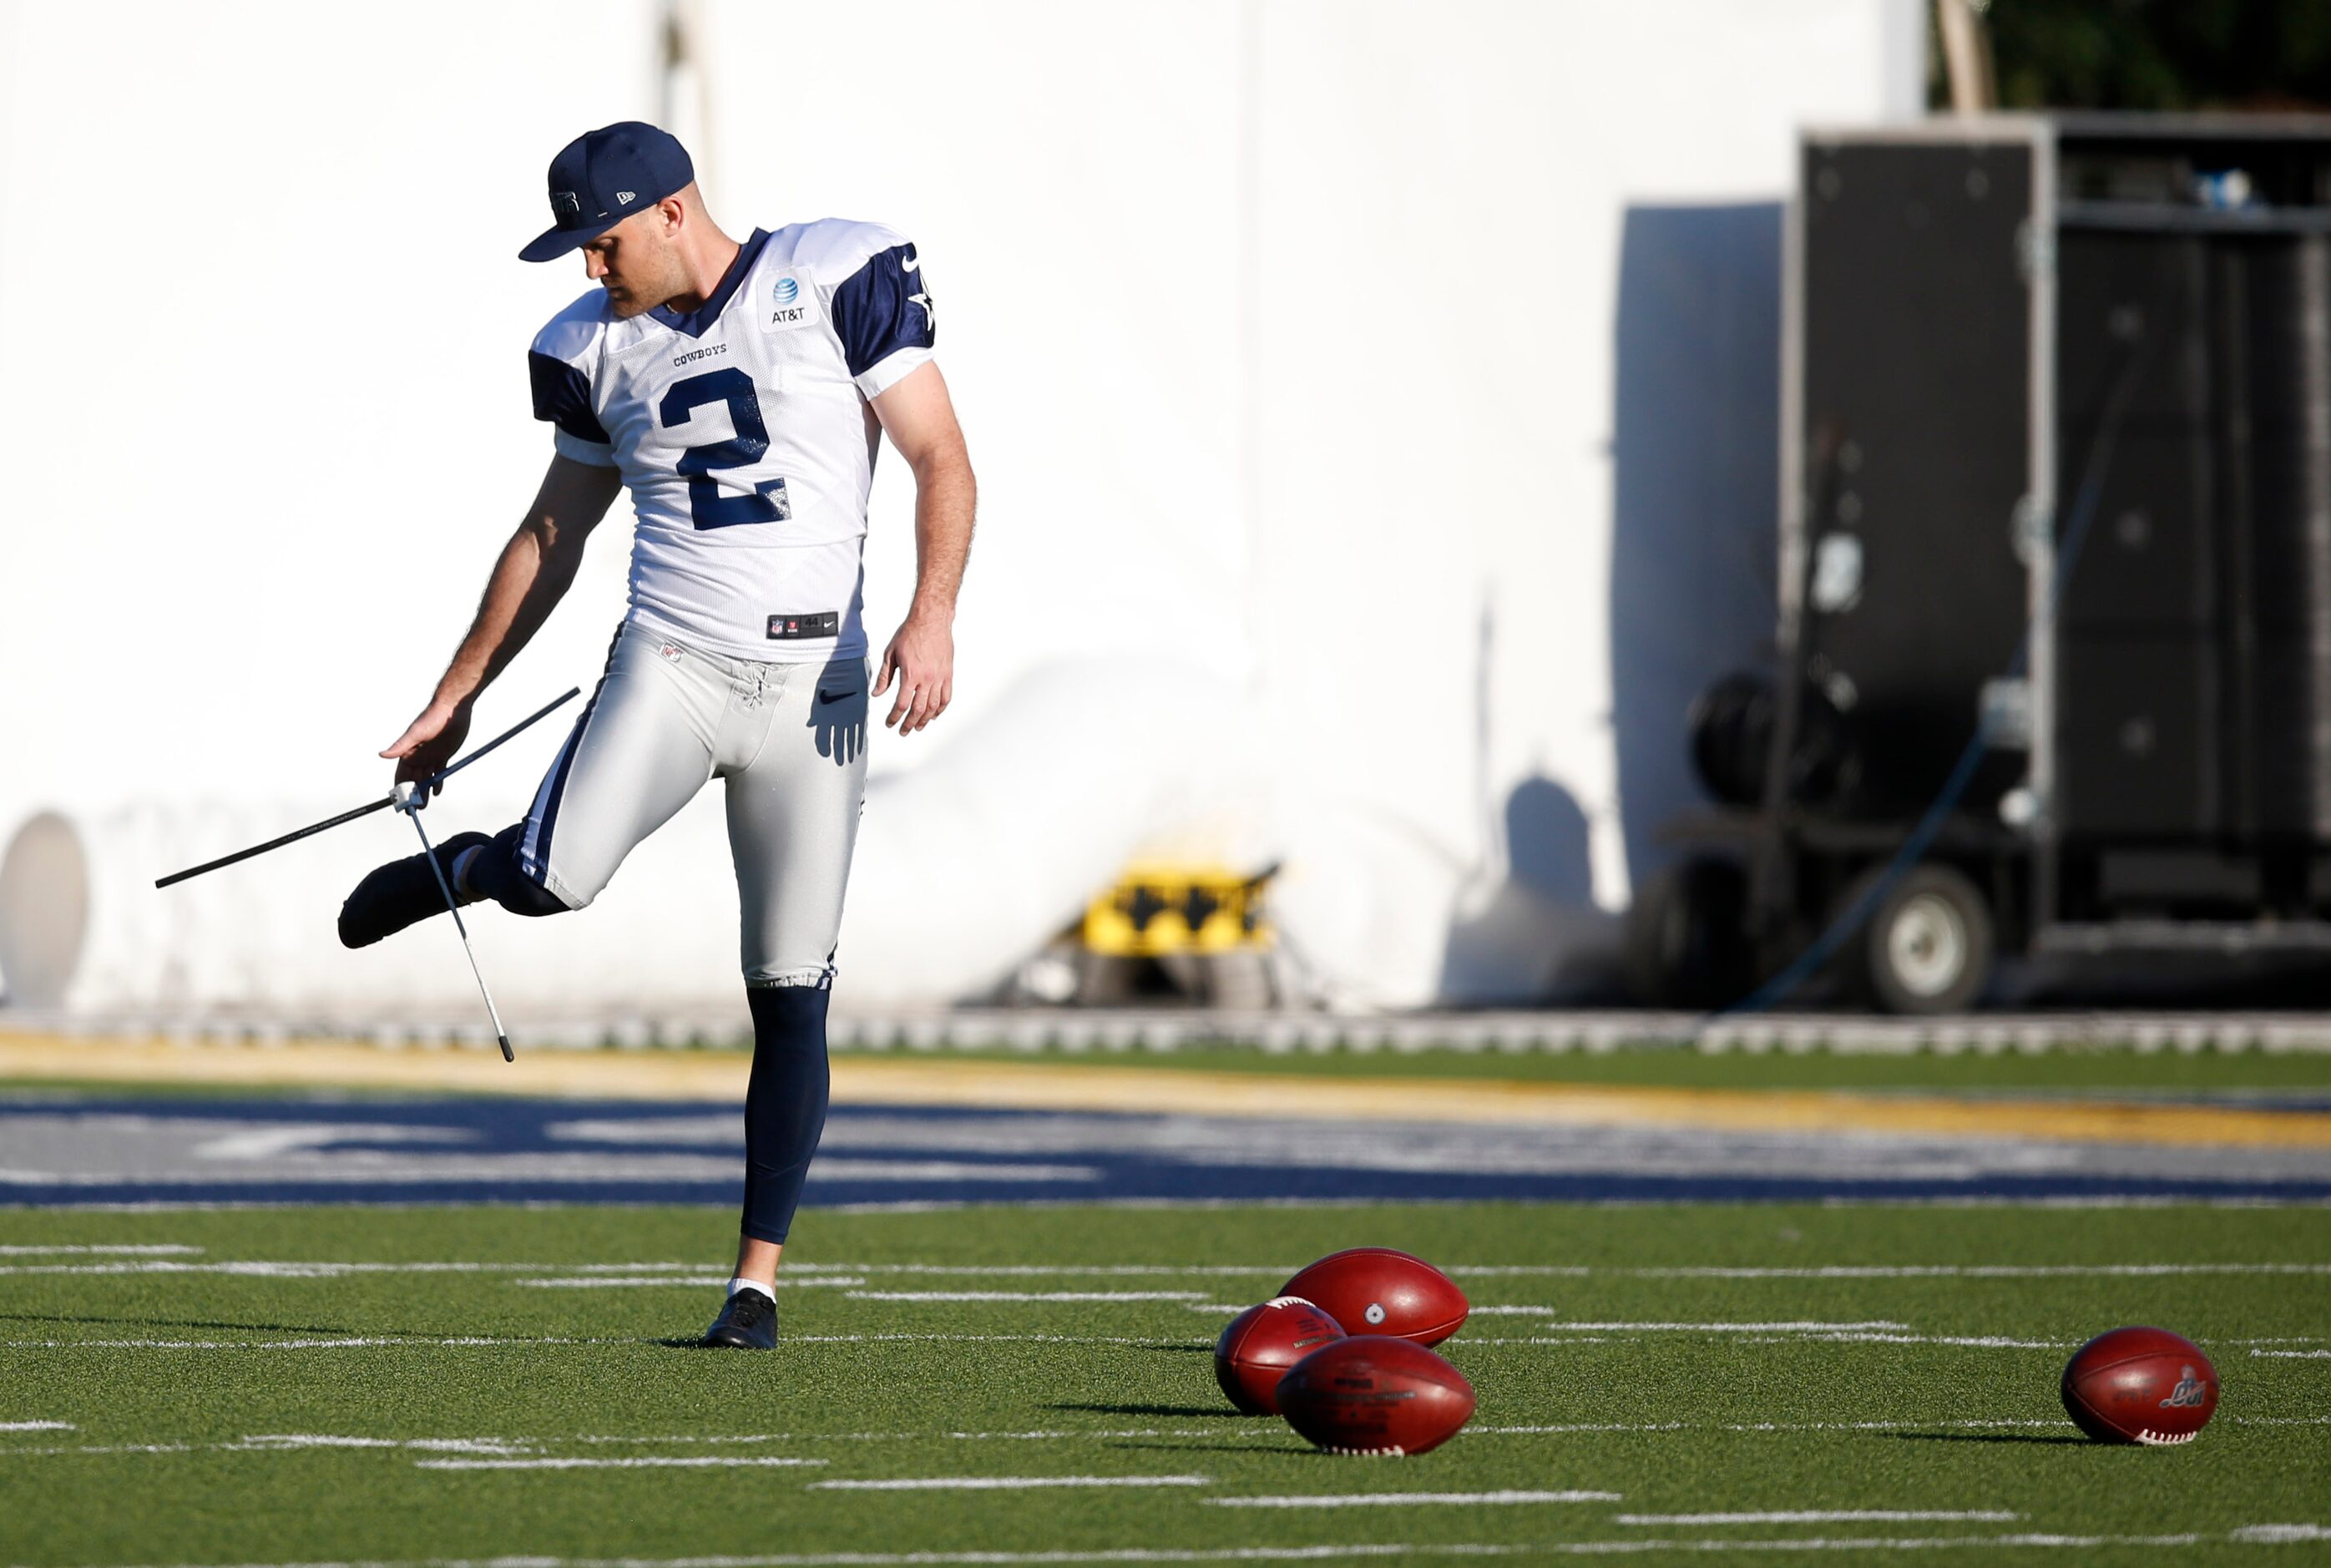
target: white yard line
1801 1327
152 1250
167 1259
1327 1553
660 1461
1052 1434
1583 1271
286 1442
463 1341
691 1281
356 1342
1968 1272
1904 1424
1721 1545
1583 1427
2248 1536
1567 1429
992 1339
37 1427
333 1268
660 1440
511 1447
270 1269
1973 1341
1829 1517
623 1282
1079 1270
2297 1354
1026 1296
1410 1499
1007 1483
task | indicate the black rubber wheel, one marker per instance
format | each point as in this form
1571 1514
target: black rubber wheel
1929 944
1687 943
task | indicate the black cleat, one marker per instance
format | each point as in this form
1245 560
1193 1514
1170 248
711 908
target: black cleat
748 1321
401 893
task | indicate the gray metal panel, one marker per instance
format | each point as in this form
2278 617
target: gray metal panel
1791 557
2142 126
2039 518
2315 330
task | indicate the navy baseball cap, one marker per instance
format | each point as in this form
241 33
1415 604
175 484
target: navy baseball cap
603 177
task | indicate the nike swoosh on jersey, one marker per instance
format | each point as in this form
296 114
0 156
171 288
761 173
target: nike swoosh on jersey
910 263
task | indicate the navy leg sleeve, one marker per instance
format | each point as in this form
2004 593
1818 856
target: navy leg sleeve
496 874
784 1105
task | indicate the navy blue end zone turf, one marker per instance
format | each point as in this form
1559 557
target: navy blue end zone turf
71 1150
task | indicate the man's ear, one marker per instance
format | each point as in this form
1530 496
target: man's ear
675 213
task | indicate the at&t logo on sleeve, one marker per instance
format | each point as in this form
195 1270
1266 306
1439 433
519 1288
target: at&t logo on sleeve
791 302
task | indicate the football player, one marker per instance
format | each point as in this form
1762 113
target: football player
739 390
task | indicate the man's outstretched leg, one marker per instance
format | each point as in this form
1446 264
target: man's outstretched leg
784 1115
406 892
638 752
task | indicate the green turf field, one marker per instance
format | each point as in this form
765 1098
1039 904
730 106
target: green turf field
394 1412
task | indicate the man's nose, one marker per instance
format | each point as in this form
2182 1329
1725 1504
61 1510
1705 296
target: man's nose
593 267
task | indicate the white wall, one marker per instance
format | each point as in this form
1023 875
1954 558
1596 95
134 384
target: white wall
1283 331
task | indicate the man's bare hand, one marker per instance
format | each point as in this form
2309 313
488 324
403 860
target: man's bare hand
429 742
922 656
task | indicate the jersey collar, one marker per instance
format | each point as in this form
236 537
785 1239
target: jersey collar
700 319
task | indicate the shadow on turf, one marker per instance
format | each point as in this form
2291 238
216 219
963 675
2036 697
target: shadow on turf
1987 1438
175 1322
1154 1409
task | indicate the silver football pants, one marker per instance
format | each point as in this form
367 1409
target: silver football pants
788 740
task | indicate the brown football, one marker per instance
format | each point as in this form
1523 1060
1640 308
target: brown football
1262 1343
1374 1395
1377 1291
2140 1385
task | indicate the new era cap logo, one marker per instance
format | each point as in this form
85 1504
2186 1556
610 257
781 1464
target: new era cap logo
626 198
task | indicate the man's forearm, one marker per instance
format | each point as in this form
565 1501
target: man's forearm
527 584
946 497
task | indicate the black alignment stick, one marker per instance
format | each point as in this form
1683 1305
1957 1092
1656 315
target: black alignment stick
381 805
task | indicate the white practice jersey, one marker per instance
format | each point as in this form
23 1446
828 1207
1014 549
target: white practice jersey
742 432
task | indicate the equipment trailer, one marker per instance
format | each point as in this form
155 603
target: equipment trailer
2055 568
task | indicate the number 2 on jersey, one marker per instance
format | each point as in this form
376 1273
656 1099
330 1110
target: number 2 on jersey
711 509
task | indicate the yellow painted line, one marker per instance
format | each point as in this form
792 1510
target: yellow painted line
1045 1088
1032 1086
346 1064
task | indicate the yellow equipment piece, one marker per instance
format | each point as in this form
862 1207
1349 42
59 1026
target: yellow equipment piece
1159 907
